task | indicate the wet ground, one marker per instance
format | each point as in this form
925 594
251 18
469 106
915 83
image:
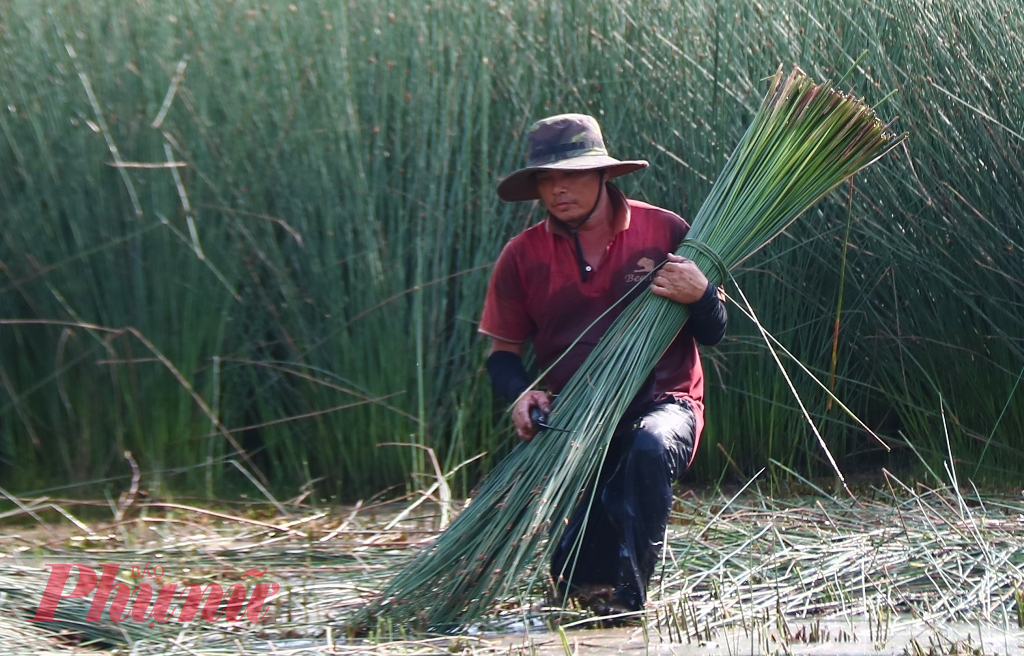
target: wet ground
882 575
856 638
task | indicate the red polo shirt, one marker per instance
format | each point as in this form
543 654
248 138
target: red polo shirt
536 292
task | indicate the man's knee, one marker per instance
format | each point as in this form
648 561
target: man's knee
649 443
667 433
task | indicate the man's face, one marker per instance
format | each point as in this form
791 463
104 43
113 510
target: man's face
569 195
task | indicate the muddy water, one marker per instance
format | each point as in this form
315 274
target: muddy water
832 638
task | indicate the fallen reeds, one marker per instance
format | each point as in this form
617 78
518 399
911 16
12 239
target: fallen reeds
926 554
896 556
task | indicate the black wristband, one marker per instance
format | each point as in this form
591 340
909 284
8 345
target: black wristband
508 375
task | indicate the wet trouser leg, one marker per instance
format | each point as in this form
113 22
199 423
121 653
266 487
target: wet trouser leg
624 530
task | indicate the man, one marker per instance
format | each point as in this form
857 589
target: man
552 282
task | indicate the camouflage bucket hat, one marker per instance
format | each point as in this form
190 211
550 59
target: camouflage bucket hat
567 142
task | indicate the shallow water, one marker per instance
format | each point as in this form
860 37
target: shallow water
832 638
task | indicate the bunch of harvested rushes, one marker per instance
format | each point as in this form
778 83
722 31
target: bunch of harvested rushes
805 140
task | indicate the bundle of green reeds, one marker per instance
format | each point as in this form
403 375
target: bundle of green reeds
805 140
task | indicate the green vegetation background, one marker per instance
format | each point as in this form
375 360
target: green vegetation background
304 278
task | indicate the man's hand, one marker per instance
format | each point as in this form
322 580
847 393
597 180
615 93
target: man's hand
521 413
680 280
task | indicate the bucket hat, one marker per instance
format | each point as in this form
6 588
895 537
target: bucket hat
566 142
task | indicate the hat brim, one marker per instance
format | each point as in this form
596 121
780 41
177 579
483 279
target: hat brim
521 185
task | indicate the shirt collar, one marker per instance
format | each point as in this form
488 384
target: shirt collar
620 214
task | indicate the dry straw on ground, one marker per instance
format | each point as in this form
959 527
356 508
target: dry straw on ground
895 554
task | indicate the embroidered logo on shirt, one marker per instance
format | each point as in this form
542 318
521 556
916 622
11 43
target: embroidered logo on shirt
644 267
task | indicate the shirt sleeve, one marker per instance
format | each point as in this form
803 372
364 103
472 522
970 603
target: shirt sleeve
708 318
680 230
505 315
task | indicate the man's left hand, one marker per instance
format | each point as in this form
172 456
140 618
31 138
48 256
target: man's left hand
680 280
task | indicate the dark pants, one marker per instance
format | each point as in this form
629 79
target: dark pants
626 524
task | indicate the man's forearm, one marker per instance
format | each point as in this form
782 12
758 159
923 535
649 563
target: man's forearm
508 375
708 318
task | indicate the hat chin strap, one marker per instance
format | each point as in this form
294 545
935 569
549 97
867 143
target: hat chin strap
580 260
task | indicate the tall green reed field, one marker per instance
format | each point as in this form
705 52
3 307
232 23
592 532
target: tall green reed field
304 271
